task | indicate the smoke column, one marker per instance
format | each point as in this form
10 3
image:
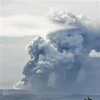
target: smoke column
58 60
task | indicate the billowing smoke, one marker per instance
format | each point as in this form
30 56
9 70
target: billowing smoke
56 61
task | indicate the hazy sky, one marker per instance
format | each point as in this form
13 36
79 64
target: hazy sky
26 17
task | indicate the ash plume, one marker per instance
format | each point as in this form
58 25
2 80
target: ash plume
57 60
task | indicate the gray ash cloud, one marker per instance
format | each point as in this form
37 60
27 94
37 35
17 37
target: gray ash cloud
57 60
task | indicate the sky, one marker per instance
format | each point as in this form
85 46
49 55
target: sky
11 51
28 17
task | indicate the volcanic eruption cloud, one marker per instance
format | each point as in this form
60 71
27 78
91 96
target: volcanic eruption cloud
62 59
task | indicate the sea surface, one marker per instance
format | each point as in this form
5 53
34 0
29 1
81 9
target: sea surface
13 94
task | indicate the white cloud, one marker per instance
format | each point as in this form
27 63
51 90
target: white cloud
20 25
94 54
21 85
